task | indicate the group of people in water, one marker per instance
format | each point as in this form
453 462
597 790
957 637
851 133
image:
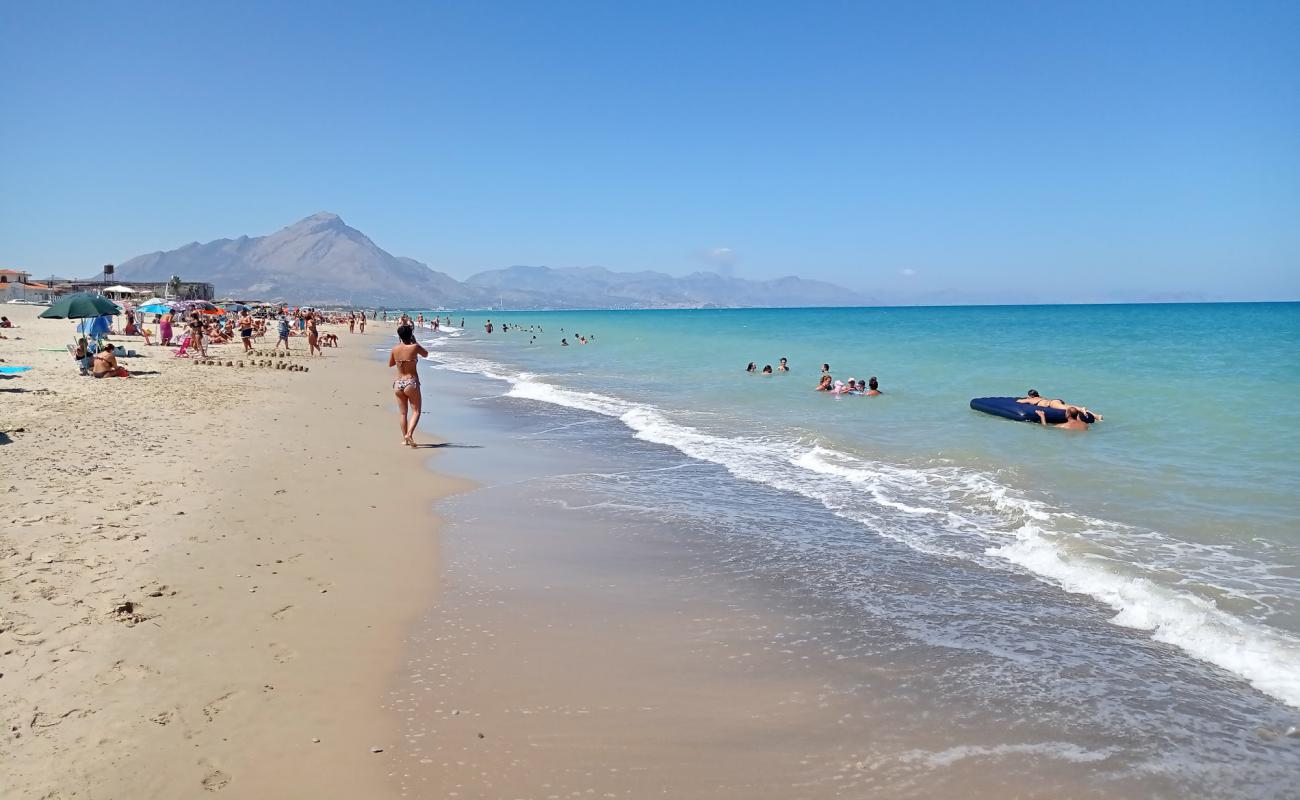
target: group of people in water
406 387
535 330
828 384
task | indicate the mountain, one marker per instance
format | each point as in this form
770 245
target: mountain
320 260
597 287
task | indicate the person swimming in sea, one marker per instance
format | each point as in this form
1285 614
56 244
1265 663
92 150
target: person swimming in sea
767 369
826 369
782 365
1074 420
873 387
825 384
564 343
751 367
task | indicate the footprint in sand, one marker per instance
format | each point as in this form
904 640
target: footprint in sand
211 710
121 670
215 780
162 717
282 613
282 654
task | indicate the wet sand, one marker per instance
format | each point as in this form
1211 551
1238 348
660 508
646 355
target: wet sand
207 572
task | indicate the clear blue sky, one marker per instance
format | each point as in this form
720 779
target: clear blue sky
905 146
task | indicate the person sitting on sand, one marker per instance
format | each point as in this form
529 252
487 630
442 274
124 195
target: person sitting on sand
329 340
105 364
1074 420
405 356
82 355
5 323
783 365
873 387
825 385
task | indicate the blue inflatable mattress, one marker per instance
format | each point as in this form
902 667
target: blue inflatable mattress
1021 412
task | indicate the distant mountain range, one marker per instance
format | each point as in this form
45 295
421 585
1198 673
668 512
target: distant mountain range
320 260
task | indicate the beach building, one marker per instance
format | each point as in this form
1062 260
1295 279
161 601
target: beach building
18 285
181 290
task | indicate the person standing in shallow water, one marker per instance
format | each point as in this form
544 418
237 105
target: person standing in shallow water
405 356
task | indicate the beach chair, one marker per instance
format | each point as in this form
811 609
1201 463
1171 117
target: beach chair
184 351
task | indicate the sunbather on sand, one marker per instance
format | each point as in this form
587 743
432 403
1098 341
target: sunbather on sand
105 365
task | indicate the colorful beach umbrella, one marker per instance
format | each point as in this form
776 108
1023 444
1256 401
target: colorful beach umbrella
156 305
80 306
201 306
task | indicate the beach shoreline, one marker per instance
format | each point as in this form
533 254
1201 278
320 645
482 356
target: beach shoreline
208 572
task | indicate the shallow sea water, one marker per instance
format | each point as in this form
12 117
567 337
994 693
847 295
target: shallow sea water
1124 600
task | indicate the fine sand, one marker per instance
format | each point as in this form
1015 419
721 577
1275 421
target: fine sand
206 571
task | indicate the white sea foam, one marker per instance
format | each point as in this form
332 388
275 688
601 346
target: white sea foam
1061 751
973 517
1267 658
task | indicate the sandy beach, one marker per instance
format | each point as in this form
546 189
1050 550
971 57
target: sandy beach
207 571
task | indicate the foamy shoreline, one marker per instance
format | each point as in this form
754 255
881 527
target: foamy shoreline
208 572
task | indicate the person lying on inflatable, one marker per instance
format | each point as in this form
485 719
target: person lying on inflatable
1034 399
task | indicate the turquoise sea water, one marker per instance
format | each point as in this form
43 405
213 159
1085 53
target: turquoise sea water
1179 514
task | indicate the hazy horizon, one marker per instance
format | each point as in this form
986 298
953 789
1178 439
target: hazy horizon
993 153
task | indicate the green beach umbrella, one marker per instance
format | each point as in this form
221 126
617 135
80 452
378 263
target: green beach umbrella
80 306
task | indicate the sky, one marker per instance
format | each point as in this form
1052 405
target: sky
1099 148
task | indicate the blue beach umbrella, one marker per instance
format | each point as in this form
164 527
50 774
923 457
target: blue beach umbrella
155 305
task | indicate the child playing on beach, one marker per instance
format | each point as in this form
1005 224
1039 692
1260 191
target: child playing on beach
283 332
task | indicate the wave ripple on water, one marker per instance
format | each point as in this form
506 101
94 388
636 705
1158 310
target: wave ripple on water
1164 586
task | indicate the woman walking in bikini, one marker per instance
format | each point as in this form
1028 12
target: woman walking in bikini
407 386
313 337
